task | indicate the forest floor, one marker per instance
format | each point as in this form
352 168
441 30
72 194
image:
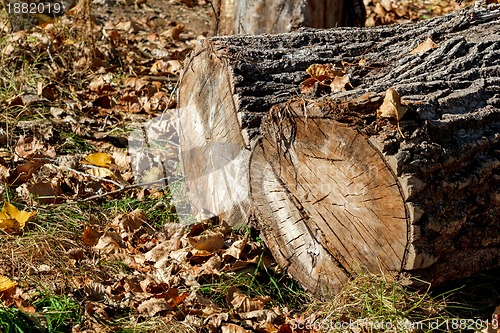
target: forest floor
89 245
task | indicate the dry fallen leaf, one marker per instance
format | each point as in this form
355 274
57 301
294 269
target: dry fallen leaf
325 75
158 252
6 283
175 32
129 222
233 328
339 83
101 173
110 243
235 249
153 306
95 290
30 147
243 303
177 300
8 291
324 70
13 219
99 159
91 235
392 107
424 46
209 241
170 66
4 173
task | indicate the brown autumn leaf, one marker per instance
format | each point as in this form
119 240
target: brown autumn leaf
235 249
113 35
424 46
198 228
45 191
209 241
233 328
136 83
153 306
122 161
101 84
174 32
28 147
77 254
307 86
110 243
91 235
177 300
4 173
328 70
96 310
242 303
261 316
128 26
148 285
211 266
159 251
24 172
285 328
326 75
169 66
340 83
129 222
392 107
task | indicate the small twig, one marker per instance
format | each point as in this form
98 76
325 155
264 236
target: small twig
400 132
92 176
174 91
122 189
48 51
216 17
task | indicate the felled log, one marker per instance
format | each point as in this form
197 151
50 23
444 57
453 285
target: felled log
277 16
332 185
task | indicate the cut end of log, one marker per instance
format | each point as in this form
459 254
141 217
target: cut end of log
345 200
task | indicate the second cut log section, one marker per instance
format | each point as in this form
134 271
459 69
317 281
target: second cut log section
277 16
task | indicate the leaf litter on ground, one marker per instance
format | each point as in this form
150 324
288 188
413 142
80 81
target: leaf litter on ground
72 90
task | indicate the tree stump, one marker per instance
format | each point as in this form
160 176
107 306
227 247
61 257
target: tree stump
277 16
331 185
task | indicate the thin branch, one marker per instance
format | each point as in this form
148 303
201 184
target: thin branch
122 189
92 176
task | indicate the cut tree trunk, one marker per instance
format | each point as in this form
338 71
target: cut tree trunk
276 16
332 186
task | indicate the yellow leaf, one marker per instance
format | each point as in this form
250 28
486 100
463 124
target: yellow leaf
99 159
424 46
6 283
391 107
12 218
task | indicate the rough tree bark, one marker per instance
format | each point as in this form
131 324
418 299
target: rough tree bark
278 16
333 186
